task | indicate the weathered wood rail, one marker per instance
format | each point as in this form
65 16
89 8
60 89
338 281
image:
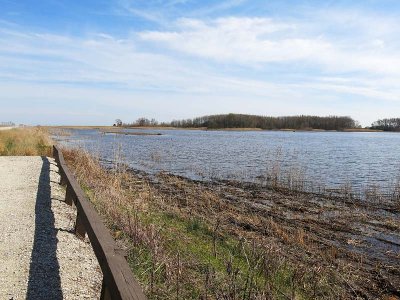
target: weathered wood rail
118 281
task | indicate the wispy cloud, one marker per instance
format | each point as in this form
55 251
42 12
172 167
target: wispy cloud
144 14
335 62
254 41
220 6
162 12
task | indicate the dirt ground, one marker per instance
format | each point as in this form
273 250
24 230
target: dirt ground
40 257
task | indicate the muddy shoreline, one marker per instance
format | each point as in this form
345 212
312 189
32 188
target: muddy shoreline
358 240
336 246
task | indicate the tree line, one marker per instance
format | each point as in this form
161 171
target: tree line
252 121
265 122
141 122
11 124
391 124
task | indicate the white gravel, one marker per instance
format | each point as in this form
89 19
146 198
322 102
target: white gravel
40 257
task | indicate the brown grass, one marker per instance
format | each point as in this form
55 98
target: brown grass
194 240
29 141
184 241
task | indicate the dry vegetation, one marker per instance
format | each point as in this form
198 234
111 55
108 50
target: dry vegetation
25 141
193 240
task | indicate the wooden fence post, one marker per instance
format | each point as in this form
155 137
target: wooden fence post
120 283
69 195
79 227
63 179
105 293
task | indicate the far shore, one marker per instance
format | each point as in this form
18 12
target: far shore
117 131
114 128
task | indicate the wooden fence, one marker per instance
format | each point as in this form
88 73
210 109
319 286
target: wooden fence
118 281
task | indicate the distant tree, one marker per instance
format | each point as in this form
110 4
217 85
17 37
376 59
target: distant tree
142 122
392 124
118 122
11 124
263 122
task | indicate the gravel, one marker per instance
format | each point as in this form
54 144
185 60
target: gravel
40 257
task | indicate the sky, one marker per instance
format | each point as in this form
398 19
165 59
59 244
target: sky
90 62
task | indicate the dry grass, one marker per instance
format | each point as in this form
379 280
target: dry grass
187 243
192 240
25 142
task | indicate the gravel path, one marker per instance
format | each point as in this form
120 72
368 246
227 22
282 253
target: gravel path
40 257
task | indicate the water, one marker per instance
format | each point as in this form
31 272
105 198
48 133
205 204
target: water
331 158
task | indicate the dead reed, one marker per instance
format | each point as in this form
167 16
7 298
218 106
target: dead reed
25 141
295 179
184 242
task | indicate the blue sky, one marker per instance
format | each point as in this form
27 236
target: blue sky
90 62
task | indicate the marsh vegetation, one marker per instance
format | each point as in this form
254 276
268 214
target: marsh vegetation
229 240
25 141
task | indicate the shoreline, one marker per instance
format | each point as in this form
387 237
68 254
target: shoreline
77 127
121 132
305 229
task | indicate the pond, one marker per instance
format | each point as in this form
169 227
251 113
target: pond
327 158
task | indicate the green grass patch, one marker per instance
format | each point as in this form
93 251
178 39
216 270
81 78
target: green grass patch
174 255
205 250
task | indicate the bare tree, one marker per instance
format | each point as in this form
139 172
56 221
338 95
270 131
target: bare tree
142 122
392 124
265 122
118 122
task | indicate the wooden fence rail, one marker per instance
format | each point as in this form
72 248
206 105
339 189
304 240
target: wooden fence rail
118 281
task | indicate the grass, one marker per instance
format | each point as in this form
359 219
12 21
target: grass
178 253
30 141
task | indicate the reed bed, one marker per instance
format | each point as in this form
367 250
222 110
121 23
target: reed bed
185 241
28 141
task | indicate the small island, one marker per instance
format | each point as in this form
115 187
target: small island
247 122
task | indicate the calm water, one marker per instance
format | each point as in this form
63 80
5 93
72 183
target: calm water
332 158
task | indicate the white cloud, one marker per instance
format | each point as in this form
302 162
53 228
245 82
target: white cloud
240 40
255 41
138 75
